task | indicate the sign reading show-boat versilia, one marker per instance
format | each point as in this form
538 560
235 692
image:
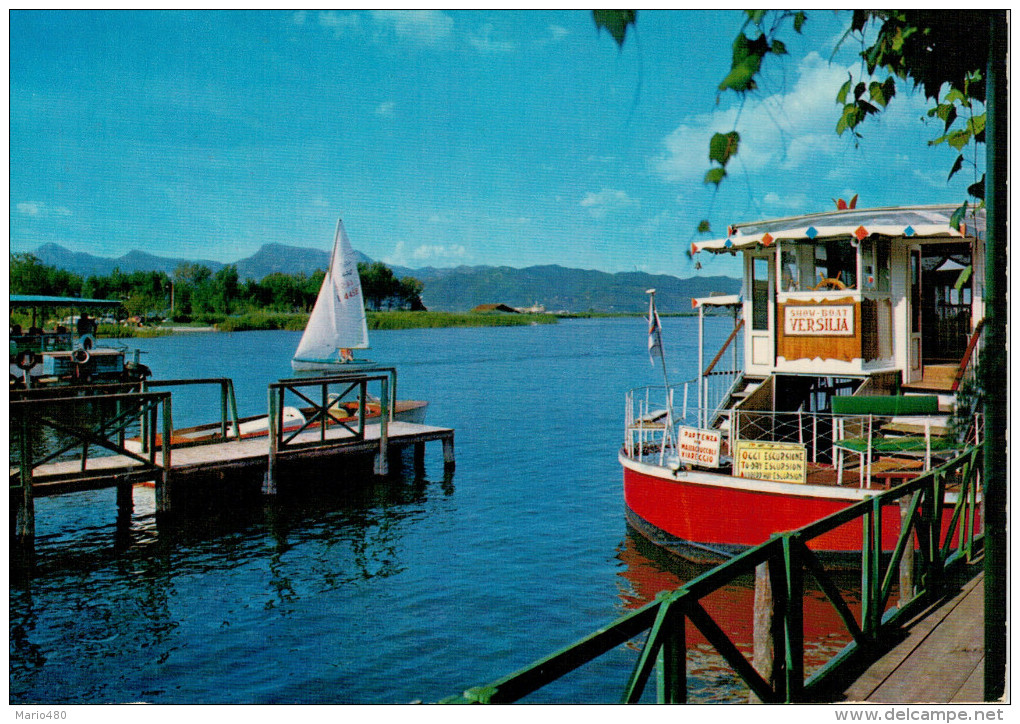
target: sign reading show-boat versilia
699 447
819 319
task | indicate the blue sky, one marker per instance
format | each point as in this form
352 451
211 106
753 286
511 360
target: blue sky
442 138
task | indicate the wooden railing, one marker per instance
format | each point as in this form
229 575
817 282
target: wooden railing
228 408
968 355
88 421
324 398
787 558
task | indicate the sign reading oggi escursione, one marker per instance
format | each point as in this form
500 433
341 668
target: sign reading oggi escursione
819 320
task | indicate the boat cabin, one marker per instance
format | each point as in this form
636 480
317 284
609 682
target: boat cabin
890 292
48 349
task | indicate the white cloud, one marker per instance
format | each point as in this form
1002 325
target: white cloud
606 200
423 26
426 254
558 32
792 202
339 22
438 252
484 42
38 208
299 17
385 109
787 130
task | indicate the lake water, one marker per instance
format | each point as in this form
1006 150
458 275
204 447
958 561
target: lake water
381 591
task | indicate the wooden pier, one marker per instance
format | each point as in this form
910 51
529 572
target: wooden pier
105 472
941 660
97 419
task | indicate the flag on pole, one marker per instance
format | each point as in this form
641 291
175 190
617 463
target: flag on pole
654 331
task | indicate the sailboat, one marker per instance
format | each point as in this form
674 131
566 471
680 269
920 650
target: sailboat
337 324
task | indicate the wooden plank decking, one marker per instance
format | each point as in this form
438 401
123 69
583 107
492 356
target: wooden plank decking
61 477
941 661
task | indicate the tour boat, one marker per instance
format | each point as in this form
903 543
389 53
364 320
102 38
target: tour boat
854 340
66 355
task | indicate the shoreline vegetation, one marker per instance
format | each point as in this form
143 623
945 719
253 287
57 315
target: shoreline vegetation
295 322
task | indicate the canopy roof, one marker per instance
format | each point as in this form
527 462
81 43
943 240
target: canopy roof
36 300
921 222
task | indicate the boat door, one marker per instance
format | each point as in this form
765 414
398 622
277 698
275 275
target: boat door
915 367
761 348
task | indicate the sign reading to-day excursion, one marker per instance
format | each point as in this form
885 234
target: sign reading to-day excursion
819 320
783 462
699 447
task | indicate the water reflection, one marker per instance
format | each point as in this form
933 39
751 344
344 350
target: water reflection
149 598
647 570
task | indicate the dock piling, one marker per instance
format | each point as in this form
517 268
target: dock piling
448 460
269 481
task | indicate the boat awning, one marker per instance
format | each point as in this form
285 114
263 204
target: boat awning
719 300
920 222
36 300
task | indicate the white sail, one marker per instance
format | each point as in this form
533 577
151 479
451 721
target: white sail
338 319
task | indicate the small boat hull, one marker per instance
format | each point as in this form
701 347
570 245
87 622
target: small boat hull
708 517
334 366
411 411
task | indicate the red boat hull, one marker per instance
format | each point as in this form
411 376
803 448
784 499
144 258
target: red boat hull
708 523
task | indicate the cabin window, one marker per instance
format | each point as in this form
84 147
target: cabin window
835 265
790 269
875 270
760 294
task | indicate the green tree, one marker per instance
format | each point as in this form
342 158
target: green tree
28 275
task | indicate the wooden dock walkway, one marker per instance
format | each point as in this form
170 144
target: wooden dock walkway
101 472
941 661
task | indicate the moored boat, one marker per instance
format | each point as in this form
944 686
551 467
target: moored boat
69 353
847 372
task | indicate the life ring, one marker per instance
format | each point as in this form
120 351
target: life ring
26 359
87 341
80 356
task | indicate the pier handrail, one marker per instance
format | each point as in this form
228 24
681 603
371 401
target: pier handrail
228 400
787 557
391 371
107 432
322 413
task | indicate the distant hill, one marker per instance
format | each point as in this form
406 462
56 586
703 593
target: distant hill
456 289
272 258
558 288
88 265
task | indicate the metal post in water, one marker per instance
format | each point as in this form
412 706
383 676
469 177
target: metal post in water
26 502
269 483
382 462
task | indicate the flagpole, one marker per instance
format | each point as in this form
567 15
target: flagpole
654 325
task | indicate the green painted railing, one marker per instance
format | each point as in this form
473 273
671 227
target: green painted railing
920 570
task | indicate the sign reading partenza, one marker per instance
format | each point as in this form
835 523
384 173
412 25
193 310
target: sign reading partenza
699 447
819 320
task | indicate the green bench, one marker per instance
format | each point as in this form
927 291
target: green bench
857 432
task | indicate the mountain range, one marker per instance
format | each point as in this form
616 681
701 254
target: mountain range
460 288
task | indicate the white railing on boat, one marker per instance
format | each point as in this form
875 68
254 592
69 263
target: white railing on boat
653 414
